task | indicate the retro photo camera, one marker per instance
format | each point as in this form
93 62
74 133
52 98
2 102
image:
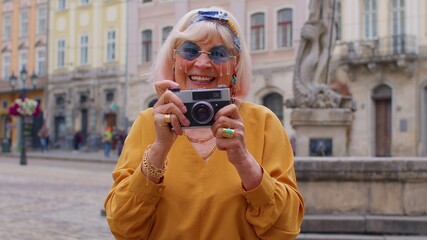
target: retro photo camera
203 104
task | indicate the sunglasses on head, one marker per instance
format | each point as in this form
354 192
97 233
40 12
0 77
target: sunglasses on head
190 51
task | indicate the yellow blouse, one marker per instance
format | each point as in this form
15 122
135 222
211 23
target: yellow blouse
205 200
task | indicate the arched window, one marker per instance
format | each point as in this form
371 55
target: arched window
147 46
284 28
165 33
274 102
152 102
258 31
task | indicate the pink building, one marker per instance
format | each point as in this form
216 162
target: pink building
270 28
379 59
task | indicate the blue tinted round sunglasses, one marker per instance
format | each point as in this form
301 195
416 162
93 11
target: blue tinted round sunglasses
190 51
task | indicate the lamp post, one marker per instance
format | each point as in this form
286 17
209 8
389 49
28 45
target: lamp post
23 95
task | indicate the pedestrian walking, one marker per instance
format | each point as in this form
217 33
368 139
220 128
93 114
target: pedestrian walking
107 140
121 136
43 135
78 140
187 172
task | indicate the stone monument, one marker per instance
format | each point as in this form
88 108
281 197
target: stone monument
321 117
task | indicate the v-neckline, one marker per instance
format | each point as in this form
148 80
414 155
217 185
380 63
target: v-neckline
186 144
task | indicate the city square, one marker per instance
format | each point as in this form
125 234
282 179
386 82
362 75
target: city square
53 199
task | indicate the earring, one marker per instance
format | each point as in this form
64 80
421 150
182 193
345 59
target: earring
173 65
233 81
212 68
228 69
220 70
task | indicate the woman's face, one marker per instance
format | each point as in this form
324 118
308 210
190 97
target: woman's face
203 64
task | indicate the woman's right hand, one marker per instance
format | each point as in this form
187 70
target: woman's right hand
168 103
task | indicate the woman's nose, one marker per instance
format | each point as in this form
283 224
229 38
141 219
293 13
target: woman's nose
203 61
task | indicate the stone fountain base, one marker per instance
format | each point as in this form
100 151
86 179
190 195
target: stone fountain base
321 132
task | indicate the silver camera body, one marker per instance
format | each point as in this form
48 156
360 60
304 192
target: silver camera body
203 104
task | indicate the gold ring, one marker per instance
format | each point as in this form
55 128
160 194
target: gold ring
228 133
167 118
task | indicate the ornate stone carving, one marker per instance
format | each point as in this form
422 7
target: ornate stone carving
310 82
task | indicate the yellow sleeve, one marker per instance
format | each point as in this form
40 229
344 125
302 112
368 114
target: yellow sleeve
276 207
132 200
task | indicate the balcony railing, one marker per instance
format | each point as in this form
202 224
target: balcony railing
378 50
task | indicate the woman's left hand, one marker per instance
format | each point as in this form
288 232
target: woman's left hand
247 167
229 118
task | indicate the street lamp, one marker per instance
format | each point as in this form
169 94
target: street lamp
23 95
34 80
12 80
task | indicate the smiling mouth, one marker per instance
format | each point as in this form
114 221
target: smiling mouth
201 79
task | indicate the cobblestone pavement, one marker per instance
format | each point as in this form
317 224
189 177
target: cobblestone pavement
53 200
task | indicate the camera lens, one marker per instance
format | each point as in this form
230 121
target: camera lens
202 112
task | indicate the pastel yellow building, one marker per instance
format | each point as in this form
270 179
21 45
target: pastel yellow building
87 69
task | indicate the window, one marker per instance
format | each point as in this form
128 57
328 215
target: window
41 20
147 1
111 45
24 23
41 62
146 46
109 97
6 27
257 31
60 100
274 102
284 28
83 98
398 16
61 5
84 2
370 19
398 25
23 60
60 61
165 33
339 20
4 104
6 67
84 49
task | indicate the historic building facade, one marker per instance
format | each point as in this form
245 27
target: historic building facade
379 59
23 45
382 59
100 53
87 69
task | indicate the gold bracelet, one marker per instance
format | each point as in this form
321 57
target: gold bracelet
151 170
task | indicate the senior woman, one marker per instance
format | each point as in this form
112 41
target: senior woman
232 179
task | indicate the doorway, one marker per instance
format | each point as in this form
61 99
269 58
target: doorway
60 130
424 122
83 131
382 103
